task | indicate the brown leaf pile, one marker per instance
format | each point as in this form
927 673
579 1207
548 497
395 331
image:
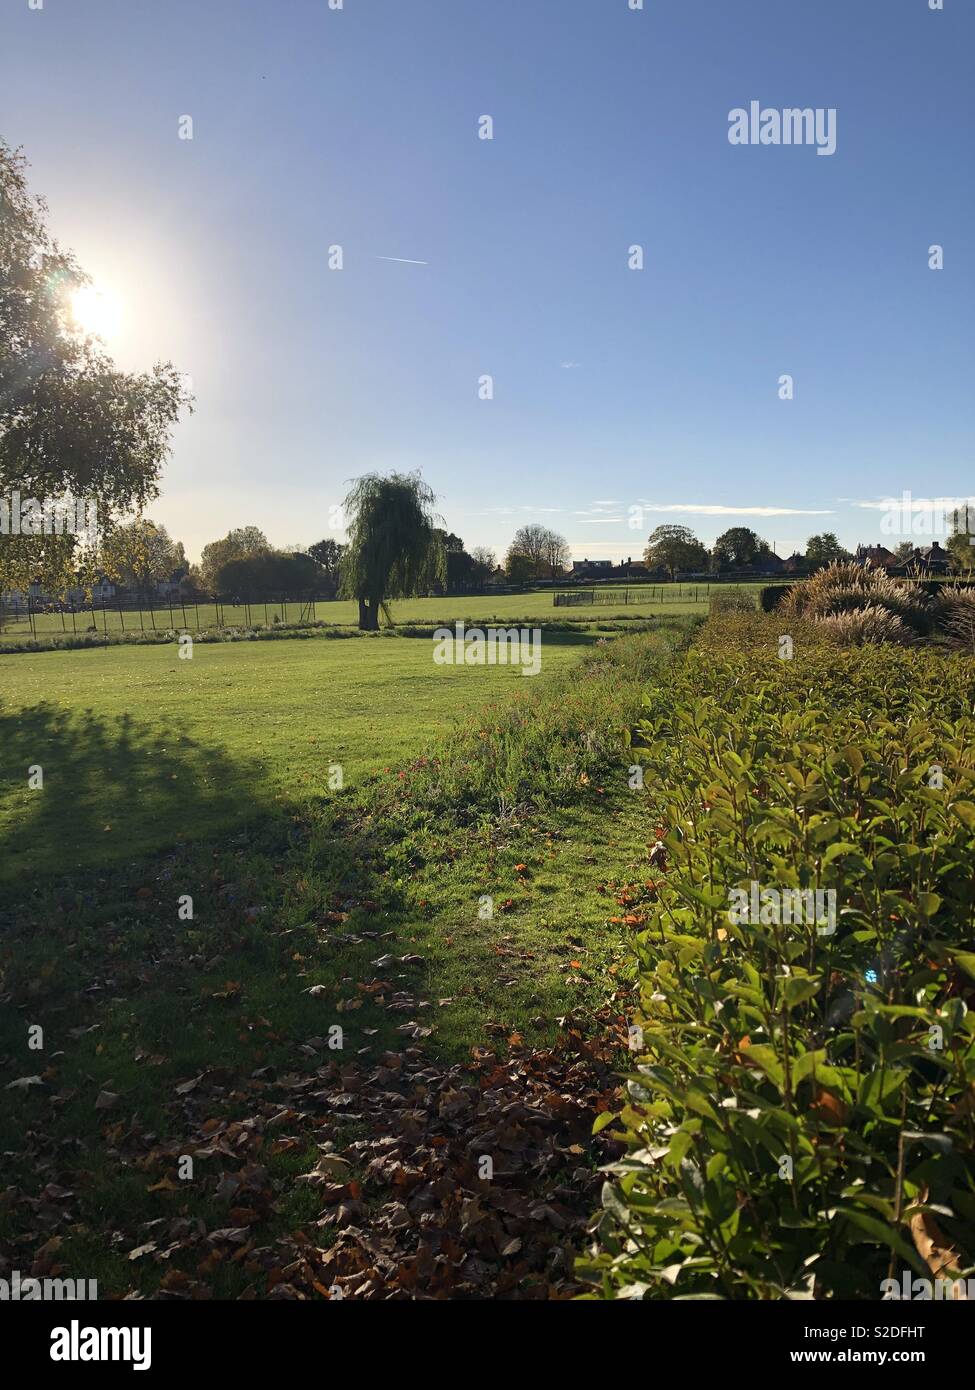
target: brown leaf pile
484 1178
433 1182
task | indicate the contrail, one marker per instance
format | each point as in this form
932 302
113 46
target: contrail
404 260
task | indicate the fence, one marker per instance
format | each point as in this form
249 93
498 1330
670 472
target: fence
49 619
641 593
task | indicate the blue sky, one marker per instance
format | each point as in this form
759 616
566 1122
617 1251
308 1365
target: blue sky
613 388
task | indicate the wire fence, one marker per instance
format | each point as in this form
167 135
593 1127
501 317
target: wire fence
637 593
34 619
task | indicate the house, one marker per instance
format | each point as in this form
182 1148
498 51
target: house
930 560
876 556
795 564
634 569
769 563
166 588
595 567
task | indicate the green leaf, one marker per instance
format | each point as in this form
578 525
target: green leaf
966 960
808 1063
854 757
885 1235
765 1058
841 847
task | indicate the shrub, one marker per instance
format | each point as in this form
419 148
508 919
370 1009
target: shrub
854 627
847 586
731 601
772 595
956 616
800 1099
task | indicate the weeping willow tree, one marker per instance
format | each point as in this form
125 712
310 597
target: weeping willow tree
394 550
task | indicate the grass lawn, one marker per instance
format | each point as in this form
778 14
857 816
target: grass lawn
141 750
166 1036
643 602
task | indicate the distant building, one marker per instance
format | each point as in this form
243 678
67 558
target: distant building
930 560
876 556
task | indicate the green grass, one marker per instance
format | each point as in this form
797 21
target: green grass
135 1001
141 750
643 602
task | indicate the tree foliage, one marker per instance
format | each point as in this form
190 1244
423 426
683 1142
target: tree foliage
71 423
519 568
139 553
675 548
824 550
738 547
239 544
545 550
265 574
394 550
961 543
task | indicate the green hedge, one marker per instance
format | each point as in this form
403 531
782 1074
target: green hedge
798 1095
771 596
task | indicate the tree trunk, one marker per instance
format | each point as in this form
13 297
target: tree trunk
368 615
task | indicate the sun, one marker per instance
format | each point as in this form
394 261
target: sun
96 312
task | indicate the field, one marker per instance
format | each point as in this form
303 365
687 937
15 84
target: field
141 749
337 1002
636 602
362 910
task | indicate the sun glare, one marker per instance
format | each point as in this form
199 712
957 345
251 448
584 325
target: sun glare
96 312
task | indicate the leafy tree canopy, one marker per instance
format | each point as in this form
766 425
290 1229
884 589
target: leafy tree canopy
239 544
394 550
737 547
266 574
823 550
71 423
675 548
140 552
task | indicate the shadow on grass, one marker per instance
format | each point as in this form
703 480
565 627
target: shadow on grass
105 788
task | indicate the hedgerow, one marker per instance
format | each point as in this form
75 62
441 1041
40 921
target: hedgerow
800 1113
